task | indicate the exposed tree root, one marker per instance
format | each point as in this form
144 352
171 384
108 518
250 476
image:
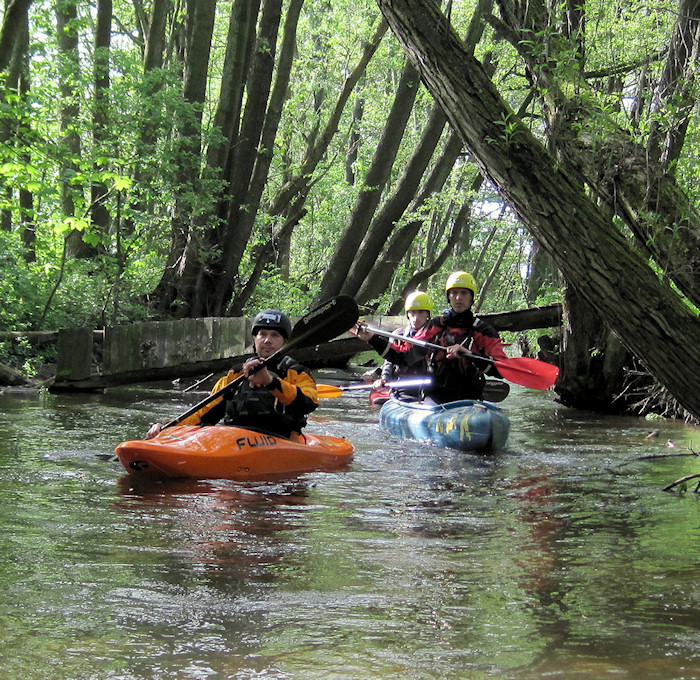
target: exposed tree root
643 396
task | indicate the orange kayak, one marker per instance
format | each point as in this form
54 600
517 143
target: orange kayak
223 452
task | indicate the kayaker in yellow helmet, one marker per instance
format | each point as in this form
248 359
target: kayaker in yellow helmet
419 308
457 372
275 399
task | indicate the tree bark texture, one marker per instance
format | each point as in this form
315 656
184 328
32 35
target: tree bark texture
15 17
373 185
592 253
593 360
395 206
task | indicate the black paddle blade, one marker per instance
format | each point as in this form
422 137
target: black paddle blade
325 322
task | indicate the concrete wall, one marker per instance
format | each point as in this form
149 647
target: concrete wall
170 343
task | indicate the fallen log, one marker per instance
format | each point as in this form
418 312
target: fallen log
526 319
10 377
40 338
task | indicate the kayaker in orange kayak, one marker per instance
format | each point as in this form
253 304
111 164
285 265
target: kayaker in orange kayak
275 398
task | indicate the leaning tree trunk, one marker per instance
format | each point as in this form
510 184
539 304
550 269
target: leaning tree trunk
379 279
374 183
592 253
593 359
240 229
393 209
287 206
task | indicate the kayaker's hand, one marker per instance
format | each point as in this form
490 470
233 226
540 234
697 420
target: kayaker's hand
260 378
360 330
454 351
379 383
154 430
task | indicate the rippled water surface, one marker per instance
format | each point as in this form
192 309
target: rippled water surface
560 557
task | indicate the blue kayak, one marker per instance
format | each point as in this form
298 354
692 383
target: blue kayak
466 425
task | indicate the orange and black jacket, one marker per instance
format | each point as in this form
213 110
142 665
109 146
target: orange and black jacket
280 408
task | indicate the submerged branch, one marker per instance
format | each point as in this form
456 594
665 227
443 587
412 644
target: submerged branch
682 480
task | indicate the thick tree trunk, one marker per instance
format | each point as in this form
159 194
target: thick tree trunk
69 109
593 360
374 183
155 38
239 45
15 17
593 255
241 231
15 38
179 278
236 232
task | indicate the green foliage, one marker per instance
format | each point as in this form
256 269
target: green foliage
146 161
276 293
20 287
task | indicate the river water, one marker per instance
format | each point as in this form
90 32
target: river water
560 557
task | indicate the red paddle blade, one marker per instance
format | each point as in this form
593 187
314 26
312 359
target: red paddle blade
538 375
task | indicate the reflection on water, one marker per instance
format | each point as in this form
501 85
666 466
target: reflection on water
548 560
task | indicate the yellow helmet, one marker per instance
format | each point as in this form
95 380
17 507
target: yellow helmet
461 280
417 301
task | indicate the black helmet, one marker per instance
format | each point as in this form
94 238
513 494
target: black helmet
274 319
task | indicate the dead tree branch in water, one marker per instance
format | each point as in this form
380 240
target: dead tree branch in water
683 480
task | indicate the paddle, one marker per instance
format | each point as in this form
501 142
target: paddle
523 371
333 391
322 324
